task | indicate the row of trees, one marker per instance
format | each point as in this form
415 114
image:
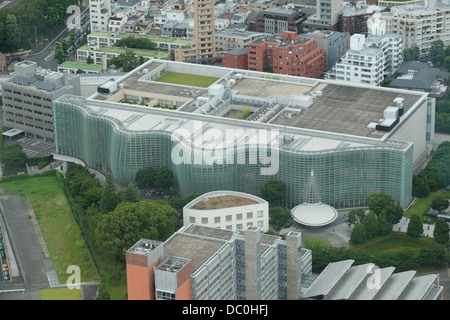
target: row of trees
378 221
442 121
436 175
115 219
29 21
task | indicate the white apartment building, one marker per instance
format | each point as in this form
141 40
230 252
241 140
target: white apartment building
100 12
420 24
229 210
370 59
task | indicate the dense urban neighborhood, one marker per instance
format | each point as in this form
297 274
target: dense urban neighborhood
232 150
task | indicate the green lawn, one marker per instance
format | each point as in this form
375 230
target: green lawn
61 294
62 235
394 242
187 79
422 205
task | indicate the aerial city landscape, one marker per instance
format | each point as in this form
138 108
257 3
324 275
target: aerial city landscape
232 150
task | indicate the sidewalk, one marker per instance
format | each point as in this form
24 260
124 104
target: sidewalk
402 226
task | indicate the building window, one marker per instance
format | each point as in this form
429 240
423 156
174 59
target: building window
249 215
204 220
216 219
259 213
239 216
191 219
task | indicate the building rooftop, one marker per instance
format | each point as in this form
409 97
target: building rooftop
312 115
343 281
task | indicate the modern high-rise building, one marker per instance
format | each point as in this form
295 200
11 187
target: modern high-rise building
203 48
28 97
248 128
206 263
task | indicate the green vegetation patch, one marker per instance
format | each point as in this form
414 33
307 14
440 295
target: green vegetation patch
62 235
187 79
61 294
394 242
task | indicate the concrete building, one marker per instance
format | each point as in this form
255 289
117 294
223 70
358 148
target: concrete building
279 19
334 43
359 139
420 24
369 59
203 48
228 210
229 39
287 55
236 59
326 16
99 13
28 98
205 263
354 16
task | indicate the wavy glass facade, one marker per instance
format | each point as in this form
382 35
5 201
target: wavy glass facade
345 177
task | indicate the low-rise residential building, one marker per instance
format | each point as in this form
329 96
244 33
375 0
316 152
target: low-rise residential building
237 58
353 18
370 59
334 43
279 19
229 39
420 24
419 76
287 55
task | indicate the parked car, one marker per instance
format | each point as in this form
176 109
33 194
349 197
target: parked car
6 275
5 267
2 254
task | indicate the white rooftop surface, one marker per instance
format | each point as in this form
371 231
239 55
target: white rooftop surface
367 292
351 281
314 214
328 278
418 287
395 285
150 119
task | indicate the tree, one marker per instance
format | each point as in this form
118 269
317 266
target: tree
433 255
109 199
145 178
13 157
446 63
354 217
382 201
11 33
359 234
384 226
370 221
89 60
436 52
274 192
60 55
439 203
126 60
421 189
163 178
280 218
415 226
130 221
441 230
130 193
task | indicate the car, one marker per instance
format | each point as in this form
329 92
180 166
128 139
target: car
5 267
1 235
6 275
2 254
2 246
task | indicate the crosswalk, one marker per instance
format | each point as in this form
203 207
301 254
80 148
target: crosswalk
36 148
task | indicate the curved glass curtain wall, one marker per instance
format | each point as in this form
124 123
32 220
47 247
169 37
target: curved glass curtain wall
345 178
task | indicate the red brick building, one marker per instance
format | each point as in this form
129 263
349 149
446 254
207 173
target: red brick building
236 59
288 55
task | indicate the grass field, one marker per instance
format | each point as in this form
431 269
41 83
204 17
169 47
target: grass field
187 79
60 294
62 235
422 205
